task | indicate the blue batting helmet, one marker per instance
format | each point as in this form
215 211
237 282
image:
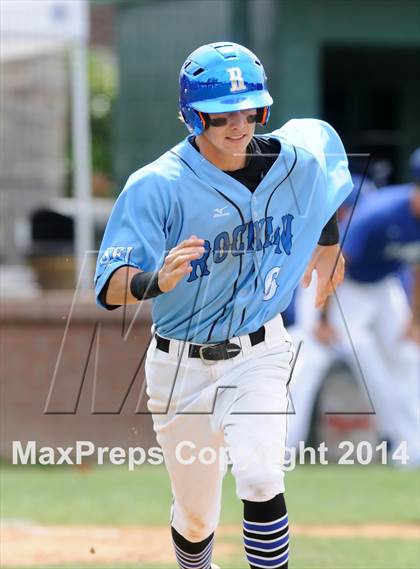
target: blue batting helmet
222 77
415 165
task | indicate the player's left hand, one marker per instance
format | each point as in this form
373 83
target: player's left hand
329 263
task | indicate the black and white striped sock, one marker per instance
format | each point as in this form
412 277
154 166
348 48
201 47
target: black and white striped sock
266 533
192 555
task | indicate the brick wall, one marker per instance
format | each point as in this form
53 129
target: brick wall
46 347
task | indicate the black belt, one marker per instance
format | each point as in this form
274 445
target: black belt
213 352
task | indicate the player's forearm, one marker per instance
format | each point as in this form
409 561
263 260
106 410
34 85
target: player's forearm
119 292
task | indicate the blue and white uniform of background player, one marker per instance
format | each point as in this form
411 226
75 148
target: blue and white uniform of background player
382 240
319 348
384 237
224 225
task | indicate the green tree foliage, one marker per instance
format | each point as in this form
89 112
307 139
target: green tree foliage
103 90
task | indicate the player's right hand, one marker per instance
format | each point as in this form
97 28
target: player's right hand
177 263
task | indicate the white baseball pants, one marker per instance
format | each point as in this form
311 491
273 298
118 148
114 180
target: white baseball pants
204 413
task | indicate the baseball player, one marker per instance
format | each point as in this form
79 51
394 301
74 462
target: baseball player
218 231
383 237
318 346
372 309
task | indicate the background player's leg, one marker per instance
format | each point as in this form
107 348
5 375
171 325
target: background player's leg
313 359
312 362
402 358
354 316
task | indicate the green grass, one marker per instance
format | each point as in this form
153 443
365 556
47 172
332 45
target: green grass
354 554
104 495
315 553
323 495
114 496
311 553
353 494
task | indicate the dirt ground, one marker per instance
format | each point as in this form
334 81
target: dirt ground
24 544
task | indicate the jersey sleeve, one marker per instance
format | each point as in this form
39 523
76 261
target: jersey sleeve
319 139
135 234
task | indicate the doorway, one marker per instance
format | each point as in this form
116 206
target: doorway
371 95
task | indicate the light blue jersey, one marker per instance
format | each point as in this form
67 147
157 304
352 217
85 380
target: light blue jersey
257 245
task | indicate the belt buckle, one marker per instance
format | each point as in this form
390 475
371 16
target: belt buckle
202 358
231 350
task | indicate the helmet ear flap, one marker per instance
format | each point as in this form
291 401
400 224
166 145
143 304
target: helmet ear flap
263 114
195 121
204 119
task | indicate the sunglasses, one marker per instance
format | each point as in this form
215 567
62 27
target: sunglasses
222 121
